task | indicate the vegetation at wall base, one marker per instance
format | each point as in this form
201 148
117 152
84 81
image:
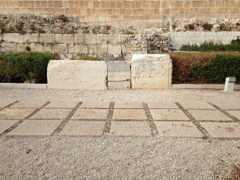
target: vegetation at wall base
24 66
211 46
205 67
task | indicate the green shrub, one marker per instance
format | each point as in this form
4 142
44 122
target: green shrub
217 69
211 46
22 66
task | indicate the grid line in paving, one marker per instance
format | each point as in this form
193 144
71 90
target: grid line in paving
225 112
22 120
107 126
152 125
193 120
65 121
9 105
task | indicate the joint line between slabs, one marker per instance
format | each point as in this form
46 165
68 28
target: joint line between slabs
65 121
22 120
225 112
9 105
193 120
108 123
153 127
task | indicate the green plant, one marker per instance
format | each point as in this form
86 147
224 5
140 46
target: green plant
217 69
211 46
90 58
22 66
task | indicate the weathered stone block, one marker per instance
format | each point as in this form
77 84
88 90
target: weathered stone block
114 49
119 85
21 47
76 74
68 39
47 48
13 38
81 49
8 47
59 38
90 38
102 38
36 47
31 38
71 48
60 48
118 71
78 39
151 71
47 38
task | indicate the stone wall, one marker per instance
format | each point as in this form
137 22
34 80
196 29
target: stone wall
141 13
195 37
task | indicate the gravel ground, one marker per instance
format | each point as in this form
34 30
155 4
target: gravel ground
117 157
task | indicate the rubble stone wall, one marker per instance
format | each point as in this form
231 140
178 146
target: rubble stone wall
141 13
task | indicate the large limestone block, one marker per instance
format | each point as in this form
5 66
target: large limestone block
77 74
151 71
118 71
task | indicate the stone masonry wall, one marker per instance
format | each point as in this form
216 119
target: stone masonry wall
140 13
195 37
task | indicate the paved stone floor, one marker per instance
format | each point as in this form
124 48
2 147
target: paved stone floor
196 119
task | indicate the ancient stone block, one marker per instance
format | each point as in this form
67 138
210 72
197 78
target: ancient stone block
59 38
114 49
47 38
81 49
151 71
36 47
8 47
118 71
119 85
78 39
68 39
13 38
90 38
31 38
71 48
60 48
64 74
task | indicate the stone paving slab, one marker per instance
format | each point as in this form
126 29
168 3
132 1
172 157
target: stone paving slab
83 128
15 113
228 105
161 105
51 114
5 124
129 105
235 113
35 128
222 130
95 105
96 114
29 104
209 115
4 103
126 114
61 104
196 105
130 128
178 129
168 114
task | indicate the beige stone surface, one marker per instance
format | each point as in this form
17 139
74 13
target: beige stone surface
168 114
35 128
51 114
83 128
4 103
196 105
222 130
95 105
13 37
61 104
161 105
29 104
214 115
98 114
125 104
235 113
5 124
228 104
63 74
15 113
178 129
151 71
126 114
130 128
119 85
